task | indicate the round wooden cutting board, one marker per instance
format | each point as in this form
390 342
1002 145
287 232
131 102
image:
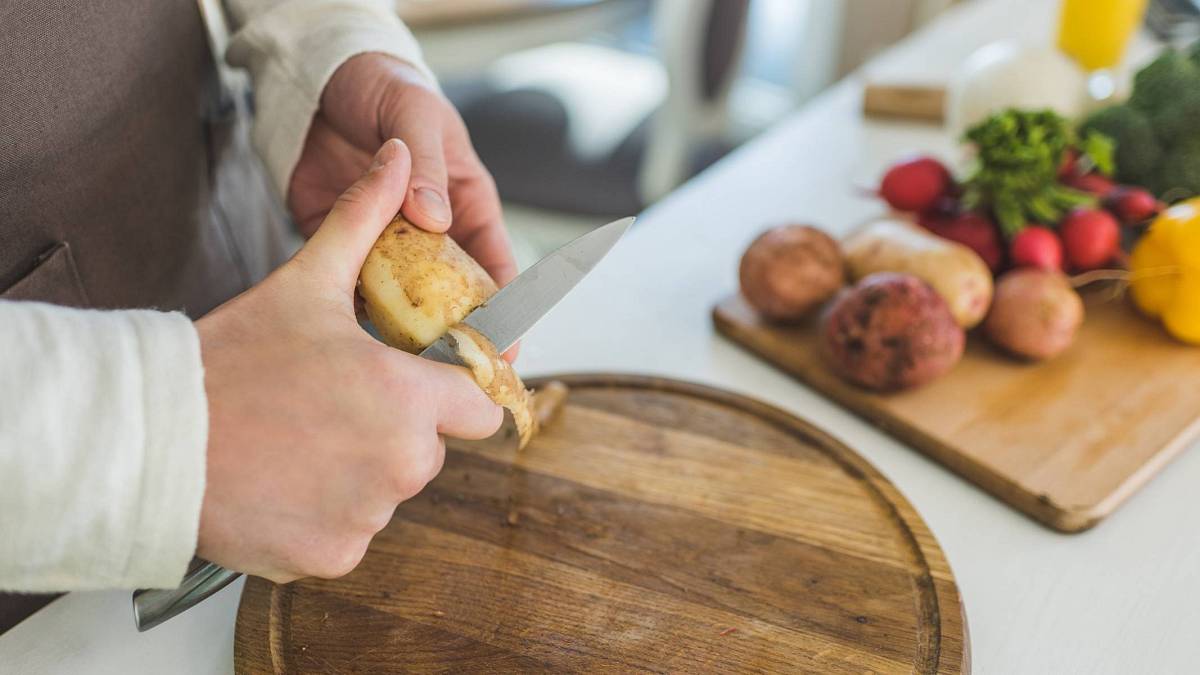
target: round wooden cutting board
655 525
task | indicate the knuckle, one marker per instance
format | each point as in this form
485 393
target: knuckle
336 558
434 460
280 576
378 519
406 482
416 468
485 177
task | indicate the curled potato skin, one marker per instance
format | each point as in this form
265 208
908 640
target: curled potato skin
496 377
789 271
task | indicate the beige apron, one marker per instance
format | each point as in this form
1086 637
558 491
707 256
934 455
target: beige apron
124 181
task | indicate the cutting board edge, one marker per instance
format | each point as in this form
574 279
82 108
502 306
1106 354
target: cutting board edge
1065 518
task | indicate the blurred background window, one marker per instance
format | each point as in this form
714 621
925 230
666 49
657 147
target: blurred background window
586 110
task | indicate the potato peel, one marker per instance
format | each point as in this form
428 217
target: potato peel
496 378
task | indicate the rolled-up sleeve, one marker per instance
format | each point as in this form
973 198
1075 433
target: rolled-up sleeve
291 48
103 436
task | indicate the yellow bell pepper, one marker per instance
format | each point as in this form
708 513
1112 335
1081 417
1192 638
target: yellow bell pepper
1165 271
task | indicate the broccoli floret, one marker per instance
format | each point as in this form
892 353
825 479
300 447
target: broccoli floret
1181 119
1138 149
1161 83
1157 132
1178 176
1168 90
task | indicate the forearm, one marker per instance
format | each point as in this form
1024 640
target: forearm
292 48
103 430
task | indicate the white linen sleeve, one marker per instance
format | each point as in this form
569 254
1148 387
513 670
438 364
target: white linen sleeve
103 432
292 48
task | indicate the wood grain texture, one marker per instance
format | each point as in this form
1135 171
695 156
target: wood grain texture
655 526
1065 441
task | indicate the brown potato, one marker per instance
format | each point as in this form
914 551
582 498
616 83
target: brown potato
889 332
956 272
790 270
1035 315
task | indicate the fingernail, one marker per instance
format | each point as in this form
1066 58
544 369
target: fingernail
386 154
432 204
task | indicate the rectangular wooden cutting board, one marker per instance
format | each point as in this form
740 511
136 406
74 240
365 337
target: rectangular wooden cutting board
1065 441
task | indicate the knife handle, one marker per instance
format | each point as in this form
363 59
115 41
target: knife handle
154 606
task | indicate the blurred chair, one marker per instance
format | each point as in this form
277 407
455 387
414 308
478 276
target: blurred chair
587 128
461 37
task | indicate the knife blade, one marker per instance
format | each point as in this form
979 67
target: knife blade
514 309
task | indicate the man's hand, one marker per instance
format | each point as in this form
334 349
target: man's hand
373 97
316 430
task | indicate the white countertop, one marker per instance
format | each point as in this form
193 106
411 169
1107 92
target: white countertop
1121 598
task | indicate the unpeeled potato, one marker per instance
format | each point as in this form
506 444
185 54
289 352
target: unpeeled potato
890 332
956 272
790 271
1035 315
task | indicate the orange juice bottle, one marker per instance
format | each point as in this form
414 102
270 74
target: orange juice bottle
1095 32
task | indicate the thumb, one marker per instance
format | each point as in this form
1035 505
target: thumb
341 243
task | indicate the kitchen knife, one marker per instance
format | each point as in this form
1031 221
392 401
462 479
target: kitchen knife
503 319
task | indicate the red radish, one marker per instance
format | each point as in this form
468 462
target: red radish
1070 164
932 220
915 184
1091 237
1132 204
947 205
976 232
1091 182
1036 247
944 209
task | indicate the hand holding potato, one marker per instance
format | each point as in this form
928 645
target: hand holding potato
317 430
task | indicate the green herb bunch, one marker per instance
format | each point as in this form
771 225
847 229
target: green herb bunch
1019 153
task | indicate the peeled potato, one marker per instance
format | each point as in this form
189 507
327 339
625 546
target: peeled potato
418 286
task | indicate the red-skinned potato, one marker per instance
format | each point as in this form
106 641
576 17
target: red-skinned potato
890 331
1035 313
789 271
